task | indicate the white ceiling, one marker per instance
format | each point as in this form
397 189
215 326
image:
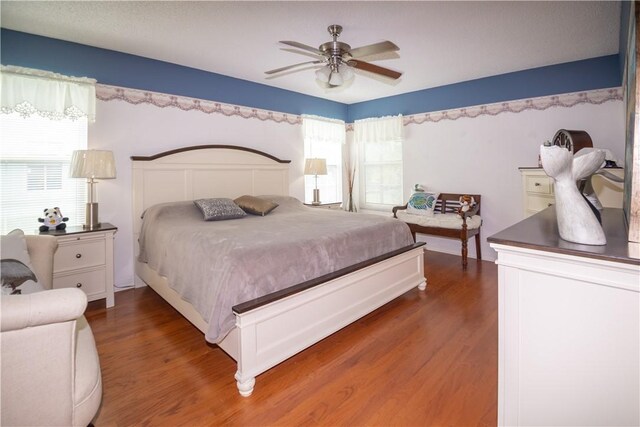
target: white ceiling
440 42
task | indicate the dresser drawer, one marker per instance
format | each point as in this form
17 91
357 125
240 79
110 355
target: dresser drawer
79 254
91 282
539 185
538 203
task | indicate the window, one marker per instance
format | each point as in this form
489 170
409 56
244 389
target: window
380 142
44 177
324 139
34 169
44 117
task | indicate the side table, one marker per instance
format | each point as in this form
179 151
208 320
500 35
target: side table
84 260
335 205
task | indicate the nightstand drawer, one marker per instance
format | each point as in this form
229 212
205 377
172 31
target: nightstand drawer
91 282
538 203
539 185
332 205
79 254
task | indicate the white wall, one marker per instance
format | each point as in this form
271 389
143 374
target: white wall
481 156
145 129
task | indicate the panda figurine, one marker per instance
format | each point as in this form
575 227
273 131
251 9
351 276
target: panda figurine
53 220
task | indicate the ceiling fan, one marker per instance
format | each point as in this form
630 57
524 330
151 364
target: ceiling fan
340 59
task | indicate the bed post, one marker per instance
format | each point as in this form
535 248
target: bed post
420 258
245 387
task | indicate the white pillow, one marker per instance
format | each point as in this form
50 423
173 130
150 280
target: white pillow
13 247
422 203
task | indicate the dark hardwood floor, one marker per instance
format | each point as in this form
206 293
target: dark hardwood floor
425 359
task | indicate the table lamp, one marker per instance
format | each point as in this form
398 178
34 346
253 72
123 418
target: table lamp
315 167
92 165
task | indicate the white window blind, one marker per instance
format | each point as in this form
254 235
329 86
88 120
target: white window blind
35 154
324 139
380 161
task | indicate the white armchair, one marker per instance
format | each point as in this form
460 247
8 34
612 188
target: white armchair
50 371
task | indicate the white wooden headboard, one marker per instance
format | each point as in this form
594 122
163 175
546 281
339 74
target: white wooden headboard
204 171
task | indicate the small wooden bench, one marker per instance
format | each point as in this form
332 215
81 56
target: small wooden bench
446 222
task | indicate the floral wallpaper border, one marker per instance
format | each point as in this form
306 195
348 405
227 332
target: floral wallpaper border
162 100
567 100
135 97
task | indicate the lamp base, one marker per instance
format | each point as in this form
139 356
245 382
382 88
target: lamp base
316 197
91 217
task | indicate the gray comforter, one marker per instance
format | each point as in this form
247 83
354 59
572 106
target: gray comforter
215 265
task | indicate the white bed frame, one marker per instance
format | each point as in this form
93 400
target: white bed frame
267 332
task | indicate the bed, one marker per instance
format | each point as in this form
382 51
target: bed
273 324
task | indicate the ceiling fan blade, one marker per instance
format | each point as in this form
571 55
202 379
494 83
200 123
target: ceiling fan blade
302 46
367 66
373 49
302 52
277 70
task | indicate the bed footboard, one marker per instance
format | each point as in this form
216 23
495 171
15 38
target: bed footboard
271 333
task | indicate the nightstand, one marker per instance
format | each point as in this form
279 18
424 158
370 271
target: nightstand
538 193
335 205
84 260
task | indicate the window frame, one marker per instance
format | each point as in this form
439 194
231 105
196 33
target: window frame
363 181
312 149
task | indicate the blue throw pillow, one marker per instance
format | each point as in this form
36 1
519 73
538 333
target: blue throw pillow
422 203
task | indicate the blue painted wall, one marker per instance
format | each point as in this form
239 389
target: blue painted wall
122 69
595 73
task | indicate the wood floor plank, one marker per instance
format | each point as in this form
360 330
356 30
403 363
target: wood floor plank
425 359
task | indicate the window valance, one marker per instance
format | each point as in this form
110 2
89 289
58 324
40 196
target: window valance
323 129
381 129
28 91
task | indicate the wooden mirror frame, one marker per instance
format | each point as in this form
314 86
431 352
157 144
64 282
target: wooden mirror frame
631 203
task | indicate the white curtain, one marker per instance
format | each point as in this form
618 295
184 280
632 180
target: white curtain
44 119
27 92
381 129
379 143
324 138
323 129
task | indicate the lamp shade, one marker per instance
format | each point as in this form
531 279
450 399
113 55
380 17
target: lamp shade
93 164
315 167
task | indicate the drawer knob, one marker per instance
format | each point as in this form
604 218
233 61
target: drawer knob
537 184
78 255
550 204
78 285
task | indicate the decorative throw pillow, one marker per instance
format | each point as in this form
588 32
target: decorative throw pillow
422 203
16 272
255 205
219 209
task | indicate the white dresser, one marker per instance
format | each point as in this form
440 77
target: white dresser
84 260
537 189
569 326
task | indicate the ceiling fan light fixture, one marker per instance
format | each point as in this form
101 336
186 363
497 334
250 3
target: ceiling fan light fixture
339 59
346 72
323 74
336 79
